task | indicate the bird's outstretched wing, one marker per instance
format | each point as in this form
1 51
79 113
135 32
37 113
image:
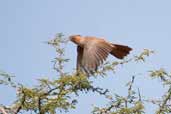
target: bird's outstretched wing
79 57
92 55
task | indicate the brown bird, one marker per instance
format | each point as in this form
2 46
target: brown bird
92 52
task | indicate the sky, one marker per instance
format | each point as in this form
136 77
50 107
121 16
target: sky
26 24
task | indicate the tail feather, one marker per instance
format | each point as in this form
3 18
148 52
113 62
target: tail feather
120 51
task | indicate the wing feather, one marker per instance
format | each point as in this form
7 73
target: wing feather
94 54
79 57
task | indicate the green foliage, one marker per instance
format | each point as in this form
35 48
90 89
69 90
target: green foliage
60 94
164 103
131 104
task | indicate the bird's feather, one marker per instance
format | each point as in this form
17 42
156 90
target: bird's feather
94 54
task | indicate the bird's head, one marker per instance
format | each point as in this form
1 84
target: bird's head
75 38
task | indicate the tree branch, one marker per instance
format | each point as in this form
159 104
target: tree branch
21 104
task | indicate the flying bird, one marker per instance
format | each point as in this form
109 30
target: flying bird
92 52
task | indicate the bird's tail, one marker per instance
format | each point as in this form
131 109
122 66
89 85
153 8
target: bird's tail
120 51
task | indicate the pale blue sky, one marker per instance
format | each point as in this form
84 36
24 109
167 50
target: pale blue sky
26 24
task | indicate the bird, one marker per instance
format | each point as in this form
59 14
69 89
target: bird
93 51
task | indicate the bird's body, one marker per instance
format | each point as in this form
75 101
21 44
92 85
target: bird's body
92 51
81 41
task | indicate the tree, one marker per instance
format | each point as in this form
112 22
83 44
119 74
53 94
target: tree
50 96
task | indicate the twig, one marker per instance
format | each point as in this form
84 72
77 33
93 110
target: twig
165 101
39 105
130 87
139 95
21 104
100 90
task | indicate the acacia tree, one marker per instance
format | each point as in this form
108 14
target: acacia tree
50 96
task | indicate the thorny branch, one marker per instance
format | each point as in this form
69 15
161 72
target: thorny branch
58 43
164 103
21 102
